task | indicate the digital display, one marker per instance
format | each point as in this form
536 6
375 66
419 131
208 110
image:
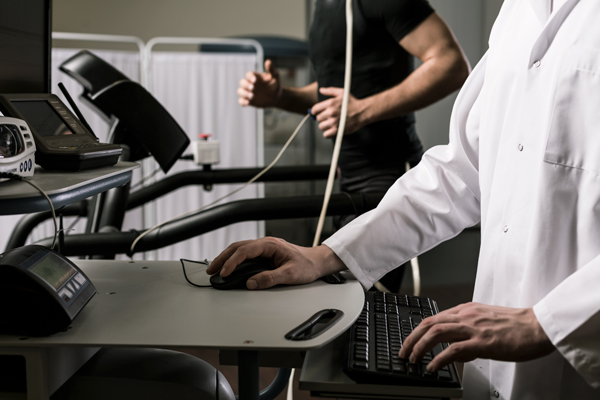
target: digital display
42 117
53 270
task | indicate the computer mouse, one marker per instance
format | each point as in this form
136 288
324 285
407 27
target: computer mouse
237 279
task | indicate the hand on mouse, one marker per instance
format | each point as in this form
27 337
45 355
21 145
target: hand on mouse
295 265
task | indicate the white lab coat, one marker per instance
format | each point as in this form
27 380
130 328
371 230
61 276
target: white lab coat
524 159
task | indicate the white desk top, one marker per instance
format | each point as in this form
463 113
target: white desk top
153 306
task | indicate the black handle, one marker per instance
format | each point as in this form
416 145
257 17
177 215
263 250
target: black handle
315 325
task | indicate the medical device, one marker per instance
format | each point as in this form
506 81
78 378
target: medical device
17 147
62 141
41 292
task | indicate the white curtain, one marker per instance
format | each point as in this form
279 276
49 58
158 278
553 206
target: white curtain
199 90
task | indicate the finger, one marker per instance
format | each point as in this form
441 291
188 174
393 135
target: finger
421 330
265 247
271 70
245 84
243 102
284 275
245 94
269 67
319 107
330 132
332 91
264 280
251 77
443 333
219 260
464 351
328 124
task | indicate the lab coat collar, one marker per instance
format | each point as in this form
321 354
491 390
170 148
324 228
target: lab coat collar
542 9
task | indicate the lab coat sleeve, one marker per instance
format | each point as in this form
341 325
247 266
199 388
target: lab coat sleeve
431 203
570 316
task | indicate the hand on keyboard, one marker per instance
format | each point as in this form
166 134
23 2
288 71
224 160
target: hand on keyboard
479 331
378 335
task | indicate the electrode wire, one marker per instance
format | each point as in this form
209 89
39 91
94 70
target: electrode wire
261 173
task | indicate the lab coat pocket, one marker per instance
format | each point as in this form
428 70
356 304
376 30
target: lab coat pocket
574 136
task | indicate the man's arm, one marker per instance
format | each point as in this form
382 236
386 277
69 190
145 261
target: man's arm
443 71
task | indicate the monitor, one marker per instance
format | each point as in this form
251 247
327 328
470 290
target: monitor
25 46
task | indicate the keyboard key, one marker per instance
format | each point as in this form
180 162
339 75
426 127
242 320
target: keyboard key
413 369
444 375
399 368
361 365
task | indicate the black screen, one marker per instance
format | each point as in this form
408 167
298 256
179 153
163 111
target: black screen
25 46
42 117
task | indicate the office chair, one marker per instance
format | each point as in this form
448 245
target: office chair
149 374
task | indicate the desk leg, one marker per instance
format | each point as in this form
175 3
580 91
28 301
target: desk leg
248 377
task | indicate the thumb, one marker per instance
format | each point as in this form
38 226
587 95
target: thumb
264 280
271 70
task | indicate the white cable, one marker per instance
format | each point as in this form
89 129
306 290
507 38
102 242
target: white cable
414 264
342 124
290 389
261 173
337 146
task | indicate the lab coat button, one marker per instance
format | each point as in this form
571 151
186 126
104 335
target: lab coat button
505 228
520 147
537 64
496 394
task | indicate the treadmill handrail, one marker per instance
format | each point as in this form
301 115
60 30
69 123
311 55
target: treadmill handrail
175 181
215 218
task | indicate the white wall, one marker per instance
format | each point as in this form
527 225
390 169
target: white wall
197 18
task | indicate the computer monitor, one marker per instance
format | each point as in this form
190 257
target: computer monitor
25 46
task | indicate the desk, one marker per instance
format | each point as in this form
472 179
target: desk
62 187
149 304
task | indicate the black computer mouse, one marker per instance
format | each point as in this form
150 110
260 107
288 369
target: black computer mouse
237 279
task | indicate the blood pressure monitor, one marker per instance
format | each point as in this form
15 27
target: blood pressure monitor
17 147
41 292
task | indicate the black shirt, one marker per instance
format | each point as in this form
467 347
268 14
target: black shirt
378 64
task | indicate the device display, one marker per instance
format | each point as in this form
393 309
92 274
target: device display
53 270
41 291
17 147
44 118
62 141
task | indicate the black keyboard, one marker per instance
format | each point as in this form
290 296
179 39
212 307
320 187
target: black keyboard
376 338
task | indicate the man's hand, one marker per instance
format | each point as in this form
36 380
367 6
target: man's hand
478 331
328 112
260 89
296 265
